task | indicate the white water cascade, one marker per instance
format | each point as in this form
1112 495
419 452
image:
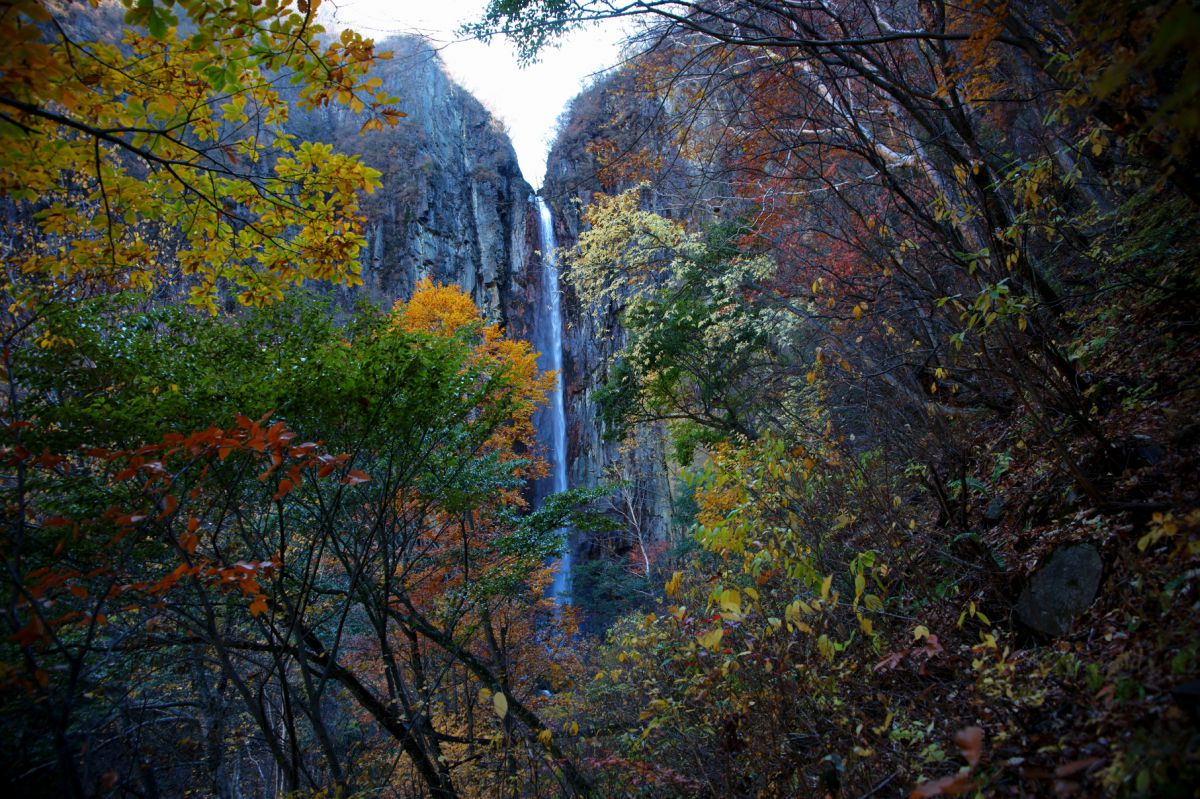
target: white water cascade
554 416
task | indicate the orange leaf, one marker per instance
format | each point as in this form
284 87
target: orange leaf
258 606
285 487
355 477
188 541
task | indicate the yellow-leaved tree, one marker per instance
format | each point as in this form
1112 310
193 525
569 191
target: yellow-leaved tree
152 145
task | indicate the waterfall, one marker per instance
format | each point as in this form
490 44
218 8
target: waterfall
554 416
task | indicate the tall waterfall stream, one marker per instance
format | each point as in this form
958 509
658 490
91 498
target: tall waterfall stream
554 416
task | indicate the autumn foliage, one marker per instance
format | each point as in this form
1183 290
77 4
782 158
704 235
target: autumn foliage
883 307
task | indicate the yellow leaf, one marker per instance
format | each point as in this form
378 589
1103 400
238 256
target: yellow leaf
672 587
825 585
711 639
500 704
731 602
919 632
545 736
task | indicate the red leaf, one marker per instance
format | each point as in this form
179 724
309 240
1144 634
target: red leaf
891 661
954 785
47 460
969 741
355 477
1076 766
29 634
932 646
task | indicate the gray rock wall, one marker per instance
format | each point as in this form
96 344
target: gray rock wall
453 206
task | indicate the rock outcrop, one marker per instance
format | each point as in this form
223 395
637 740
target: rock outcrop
453 206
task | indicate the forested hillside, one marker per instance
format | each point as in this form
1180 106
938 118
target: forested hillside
906 291
880 362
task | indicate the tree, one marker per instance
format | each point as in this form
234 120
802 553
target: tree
376 581
132 153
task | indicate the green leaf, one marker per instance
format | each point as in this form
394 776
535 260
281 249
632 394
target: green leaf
156 24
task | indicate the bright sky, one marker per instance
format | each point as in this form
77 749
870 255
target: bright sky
528 100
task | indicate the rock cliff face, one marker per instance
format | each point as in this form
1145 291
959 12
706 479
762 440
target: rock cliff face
610 117
453 206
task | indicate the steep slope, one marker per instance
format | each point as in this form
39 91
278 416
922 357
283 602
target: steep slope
613 136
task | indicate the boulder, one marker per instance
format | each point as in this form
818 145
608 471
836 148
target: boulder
1060 591
995 510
